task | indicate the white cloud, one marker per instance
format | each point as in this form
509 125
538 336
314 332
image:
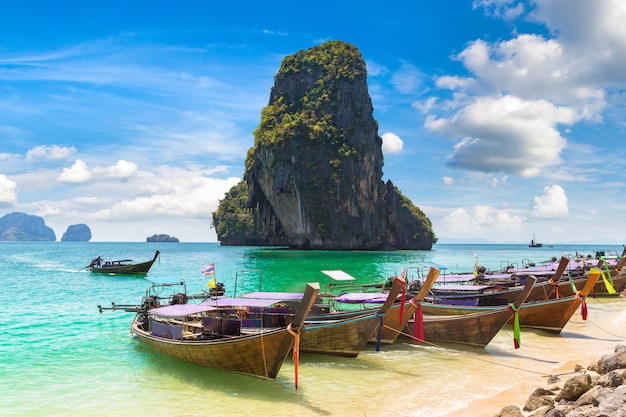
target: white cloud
479 221
425 106
408 79
552 203
49 153
448 181
505 134
78 173
391 143
120 171
189 198
8 192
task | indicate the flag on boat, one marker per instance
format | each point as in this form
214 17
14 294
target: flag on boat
212 284
208 269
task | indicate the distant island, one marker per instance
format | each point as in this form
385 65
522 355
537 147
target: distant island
22 227
161 238
77 233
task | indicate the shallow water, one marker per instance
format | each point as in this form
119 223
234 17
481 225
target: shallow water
60 357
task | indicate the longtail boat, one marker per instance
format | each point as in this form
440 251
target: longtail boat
475 329
549 315
121 266
346 333
493 296
397 317
200 334
613 281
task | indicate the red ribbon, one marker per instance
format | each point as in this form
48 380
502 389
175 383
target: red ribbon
418 324
583 305
296 352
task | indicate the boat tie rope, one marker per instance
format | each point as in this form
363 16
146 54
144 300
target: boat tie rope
583 305
516 330
296 351
556 287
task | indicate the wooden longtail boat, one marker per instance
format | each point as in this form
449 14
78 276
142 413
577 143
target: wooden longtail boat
259 353
613 281
396 318
543 290
550 315
475 329
121 267
346 333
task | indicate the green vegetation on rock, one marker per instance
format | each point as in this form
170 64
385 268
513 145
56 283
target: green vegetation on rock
313 178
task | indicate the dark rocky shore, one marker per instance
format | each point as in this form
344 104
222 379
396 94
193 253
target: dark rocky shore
599 390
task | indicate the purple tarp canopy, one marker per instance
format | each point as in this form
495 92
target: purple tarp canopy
238 302
180 310
361 298
452 287
274 295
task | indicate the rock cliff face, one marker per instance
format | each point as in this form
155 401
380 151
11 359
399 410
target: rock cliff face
77 233
314 175
24 227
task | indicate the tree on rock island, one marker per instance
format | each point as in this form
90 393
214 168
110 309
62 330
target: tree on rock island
313 178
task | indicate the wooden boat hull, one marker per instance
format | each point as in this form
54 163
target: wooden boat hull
475 329
599 289
346 333
141 268
257 354
260 354
549 315
344 337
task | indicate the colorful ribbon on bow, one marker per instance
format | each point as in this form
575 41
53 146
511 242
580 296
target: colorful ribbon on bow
583 305
516 331
296 352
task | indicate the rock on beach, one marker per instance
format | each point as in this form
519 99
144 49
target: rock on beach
597 391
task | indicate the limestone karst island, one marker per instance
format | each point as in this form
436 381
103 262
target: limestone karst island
313 179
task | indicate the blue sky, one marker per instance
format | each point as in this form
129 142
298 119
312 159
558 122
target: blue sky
500 119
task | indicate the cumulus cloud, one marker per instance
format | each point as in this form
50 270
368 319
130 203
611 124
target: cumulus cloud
78 173
448 181
479 221
552 203
505 114
391 143
191 198
505 134
120 171
49 153
8 192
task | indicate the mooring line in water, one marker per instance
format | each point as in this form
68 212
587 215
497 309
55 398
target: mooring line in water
470 355
606 331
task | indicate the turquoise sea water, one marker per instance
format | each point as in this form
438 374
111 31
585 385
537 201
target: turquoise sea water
60 357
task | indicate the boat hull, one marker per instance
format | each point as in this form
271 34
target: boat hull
343 337
258 355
